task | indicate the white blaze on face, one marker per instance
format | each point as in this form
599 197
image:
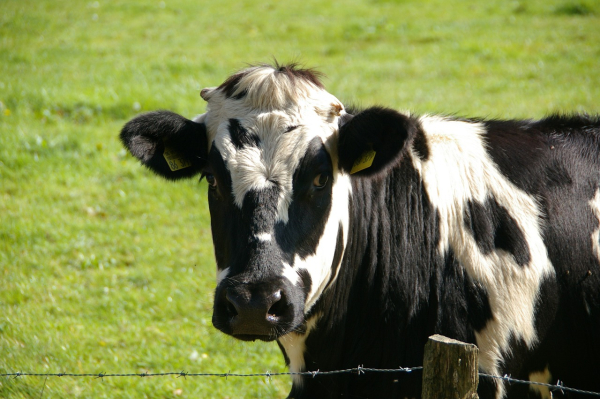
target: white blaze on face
272 163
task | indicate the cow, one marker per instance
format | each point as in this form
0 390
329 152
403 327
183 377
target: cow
349 236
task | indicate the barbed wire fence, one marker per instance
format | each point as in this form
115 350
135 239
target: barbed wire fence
440 353
558 387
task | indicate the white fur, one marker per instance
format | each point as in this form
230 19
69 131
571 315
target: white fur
544 377
222 274
294 346
264 237
595 205
290 273
458 170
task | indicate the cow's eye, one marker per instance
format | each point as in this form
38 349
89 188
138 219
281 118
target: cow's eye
320 180
210 179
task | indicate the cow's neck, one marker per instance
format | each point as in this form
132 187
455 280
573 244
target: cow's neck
382 292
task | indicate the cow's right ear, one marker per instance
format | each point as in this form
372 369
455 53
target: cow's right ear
170 145
373 140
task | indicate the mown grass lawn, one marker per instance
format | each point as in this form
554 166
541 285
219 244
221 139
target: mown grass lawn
105 268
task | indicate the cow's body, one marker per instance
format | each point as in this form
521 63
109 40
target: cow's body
484 231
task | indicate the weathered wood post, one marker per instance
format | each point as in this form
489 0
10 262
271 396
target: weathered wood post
450 369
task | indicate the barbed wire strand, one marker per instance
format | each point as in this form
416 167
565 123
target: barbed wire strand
356 370
558 387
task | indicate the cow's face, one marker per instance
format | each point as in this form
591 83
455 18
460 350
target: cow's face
278 202
277 164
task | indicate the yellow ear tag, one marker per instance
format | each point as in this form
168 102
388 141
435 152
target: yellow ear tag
364 161
175 160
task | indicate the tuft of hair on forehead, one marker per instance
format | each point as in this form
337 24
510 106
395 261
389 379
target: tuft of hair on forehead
271 87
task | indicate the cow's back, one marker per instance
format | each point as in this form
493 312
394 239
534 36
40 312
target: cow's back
557 160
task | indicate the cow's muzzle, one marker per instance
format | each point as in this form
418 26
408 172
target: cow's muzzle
254 311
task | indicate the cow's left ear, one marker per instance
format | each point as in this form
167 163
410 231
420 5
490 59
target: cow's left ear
373 140
170 145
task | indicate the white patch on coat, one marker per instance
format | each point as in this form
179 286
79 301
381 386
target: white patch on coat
199 118
595 205
294 345
543 377
222 274
264 237
459 170
290 273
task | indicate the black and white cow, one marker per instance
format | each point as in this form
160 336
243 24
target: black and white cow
350 239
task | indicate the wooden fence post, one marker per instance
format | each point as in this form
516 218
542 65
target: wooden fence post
450 369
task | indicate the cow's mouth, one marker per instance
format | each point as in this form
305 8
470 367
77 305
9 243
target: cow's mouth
254 337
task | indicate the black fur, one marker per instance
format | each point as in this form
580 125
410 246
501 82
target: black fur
230 85
382 130
494 228
147 135
240 137
310 207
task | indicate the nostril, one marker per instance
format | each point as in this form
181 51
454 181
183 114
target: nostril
229 306
231 309
278 306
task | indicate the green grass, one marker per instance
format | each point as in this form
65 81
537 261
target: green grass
106 268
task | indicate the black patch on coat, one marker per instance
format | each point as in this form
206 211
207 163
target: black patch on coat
480 311
240 137
241 94
538 155
259 209
310 207
420 145
230 86
557 175
463 303
493 228
306 281
294 72
228 228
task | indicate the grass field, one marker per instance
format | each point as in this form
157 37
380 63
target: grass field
106 268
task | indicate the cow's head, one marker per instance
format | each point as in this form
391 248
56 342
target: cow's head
276 150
